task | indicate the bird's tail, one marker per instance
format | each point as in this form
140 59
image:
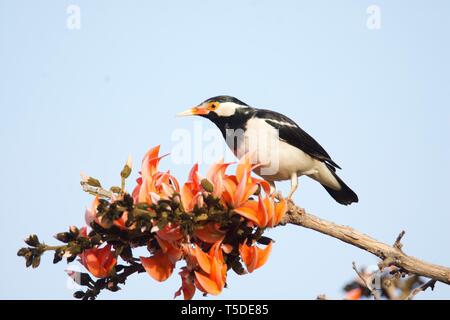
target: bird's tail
345 195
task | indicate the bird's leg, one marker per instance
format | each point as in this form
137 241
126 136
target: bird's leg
294 185
273 188
273 191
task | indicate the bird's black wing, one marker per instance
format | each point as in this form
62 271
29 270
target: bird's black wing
291 133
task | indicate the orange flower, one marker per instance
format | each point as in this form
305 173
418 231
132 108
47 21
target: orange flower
265 212
238 190
354 294
171 249
99 262
91 214
170 232
83 232
191 192
154 184
216 175
160 266
253 256
187 285
245 167
275 211
121 222
213 271
210 233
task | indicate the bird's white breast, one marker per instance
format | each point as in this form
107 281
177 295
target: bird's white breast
278 159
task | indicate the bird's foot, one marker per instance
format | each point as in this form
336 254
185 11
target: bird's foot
277 195
290 201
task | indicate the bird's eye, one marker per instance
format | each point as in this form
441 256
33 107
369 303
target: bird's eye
213 106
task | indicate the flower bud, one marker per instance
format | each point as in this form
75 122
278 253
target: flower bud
22 252
32 240
208 186
63 237
36 262
78 295
126 171
74 230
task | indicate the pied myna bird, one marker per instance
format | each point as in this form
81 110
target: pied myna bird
279 147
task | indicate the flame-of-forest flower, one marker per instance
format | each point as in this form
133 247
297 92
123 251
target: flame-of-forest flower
152 183
99 261
121 222
239 188
210 232
354 294
161 264
253 256
211 223
171 232
187 285
158 266
265 212
91 213
91 216
191 192
216 175
212 273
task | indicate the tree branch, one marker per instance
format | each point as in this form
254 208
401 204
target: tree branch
391 255
424 287
367 282
96 191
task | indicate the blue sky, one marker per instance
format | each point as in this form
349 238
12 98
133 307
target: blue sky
83 100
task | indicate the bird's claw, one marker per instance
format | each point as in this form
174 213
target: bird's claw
277 195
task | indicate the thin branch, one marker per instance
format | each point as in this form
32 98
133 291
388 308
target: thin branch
393 255
424 287
366 282
398 244
97 191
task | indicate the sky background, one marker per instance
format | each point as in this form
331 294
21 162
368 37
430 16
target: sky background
83 100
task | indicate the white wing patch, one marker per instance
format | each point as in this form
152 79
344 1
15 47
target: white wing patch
282 123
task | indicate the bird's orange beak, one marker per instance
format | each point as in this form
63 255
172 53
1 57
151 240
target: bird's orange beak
195 111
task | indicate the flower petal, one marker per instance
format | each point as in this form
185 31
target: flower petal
210 233
158 266
263 255
249 256
253 256
207 285
354 294
249 210
203 259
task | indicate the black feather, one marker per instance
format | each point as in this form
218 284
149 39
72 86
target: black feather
345 195
222 99
296 136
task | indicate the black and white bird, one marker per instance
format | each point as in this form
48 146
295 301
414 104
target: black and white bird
278 145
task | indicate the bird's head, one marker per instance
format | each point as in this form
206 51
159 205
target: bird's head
216 108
